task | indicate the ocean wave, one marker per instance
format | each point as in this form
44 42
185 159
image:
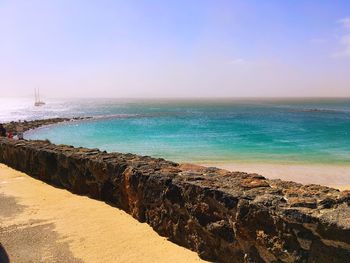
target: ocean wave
319 110
127 116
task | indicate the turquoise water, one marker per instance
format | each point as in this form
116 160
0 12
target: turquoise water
275 130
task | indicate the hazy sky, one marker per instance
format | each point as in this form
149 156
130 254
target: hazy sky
175 48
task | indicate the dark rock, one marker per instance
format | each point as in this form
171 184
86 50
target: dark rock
13 127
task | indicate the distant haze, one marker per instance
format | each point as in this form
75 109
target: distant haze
201 48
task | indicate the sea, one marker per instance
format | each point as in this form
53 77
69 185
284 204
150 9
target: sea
278 130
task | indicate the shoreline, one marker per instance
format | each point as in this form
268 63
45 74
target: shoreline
335 175
331 175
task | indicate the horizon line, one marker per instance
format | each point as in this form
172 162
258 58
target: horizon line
188 97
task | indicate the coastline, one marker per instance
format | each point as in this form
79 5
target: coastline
192 205
331 175
327 174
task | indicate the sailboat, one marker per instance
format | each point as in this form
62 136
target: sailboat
38 102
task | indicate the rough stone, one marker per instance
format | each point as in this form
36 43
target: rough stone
13 126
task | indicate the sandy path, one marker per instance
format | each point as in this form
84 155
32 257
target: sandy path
337 176
40 223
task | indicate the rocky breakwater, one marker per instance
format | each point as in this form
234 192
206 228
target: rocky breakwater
15 126
224 216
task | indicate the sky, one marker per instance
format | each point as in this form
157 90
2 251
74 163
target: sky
182 48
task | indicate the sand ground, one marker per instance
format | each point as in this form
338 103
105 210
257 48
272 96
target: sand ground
337 176
41 223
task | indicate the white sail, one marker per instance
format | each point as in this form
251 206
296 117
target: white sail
38 102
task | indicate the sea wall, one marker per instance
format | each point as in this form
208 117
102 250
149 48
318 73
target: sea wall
15 126
224 216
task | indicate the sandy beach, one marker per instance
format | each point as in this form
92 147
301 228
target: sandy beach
335 176
41 223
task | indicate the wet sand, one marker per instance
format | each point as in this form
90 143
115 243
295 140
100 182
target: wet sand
337 176
41 223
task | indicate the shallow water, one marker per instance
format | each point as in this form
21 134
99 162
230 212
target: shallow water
257 130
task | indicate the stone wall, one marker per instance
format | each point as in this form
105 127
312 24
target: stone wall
224 216
14 126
